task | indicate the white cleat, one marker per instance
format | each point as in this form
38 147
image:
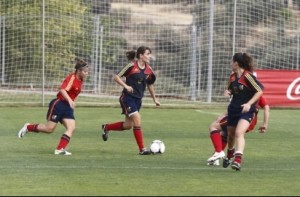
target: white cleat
214 163
23 130
62 152
216 155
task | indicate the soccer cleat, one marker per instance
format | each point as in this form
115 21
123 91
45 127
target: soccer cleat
214 163
23 130
236 166
105 133
145 152
62 152
226 162
216 155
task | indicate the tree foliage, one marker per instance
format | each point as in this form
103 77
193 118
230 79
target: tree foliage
24 40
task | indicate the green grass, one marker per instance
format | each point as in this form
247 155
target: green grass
28 166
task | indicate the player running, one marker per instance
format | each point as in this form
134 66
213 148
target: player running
61 109
139 75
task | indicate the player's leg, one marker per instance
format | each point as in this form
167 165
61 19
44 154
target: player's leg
230 146
66 117
69 124
138 133
48 128
240 131
215 130
52 117
119 125
137 126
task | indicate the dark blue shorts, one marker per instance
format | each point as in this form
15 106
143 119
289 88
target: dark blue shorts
233 119
129 104
59 110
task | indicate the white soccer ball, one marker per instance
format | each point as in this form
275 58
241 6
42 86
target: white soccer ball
157 146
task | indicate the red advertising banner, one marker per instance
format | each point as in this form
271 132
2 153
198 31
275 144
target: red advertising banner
281 87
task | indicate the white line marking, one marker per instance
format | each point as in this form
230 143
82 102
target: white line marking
207 112
145 167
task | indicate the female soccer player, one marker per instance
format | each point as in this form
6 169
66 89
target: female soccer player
246 91
138 75
61 109
218 133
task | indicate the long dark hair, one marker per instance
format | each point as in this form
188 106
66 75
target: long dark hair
244 60
136 54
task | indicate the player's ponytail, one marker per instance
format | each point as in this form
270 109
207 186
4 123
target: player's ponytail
248 62
130 55
80 64
244 60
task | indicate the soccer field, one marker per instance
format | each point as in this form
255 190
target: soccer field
28 166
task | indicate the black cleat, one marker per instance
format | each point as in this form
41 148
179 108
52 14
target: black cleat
105 133
226 162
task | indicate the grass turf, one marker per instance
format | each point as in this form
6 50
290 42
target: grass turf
28 166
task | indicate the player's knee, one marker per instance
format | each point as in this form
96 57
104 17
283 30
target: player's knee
127 126
50 129
214 127
211 130
214 130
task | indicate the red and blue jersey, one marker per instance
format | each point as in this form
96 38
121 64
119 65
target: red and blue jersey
137 78
72 85
242 90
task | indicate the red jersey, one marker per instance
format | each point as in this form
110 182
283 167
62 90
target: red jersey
261 103
72 85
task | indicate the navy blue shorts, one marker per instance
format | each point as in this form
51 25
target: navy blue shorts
129 104
233 119
59 110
